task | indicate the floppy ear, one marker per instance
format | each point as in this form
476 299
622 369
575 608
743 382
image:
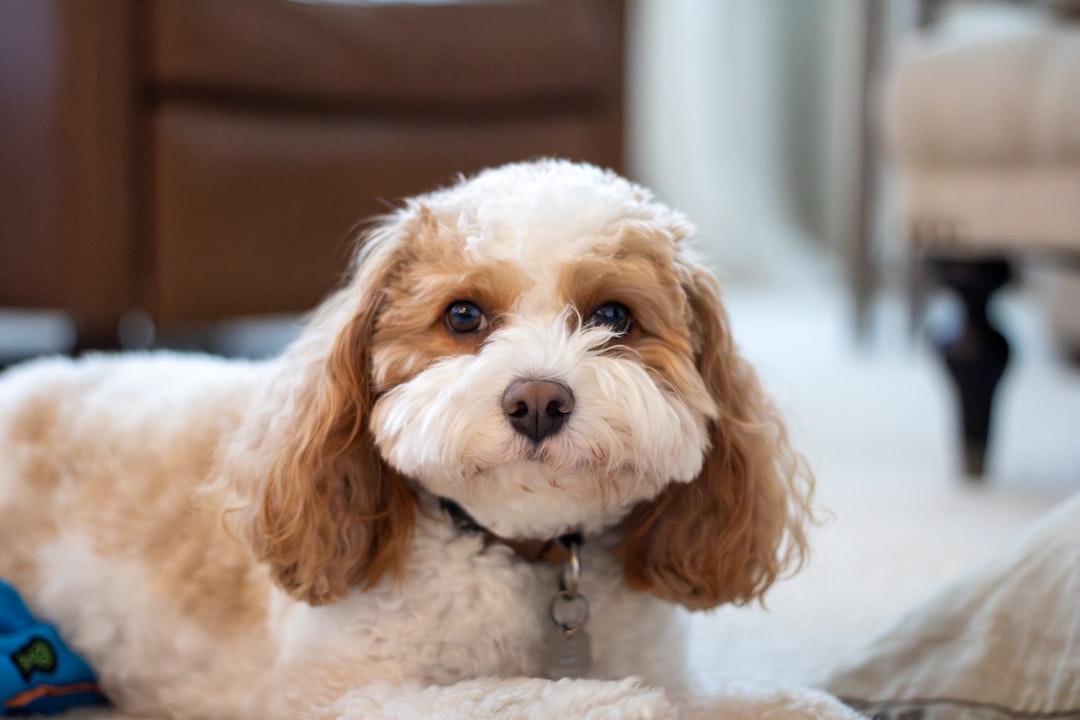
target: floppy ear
324 510
728 534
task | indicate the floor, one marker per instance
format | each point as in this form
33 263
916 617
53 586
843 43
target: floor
875 422
876 425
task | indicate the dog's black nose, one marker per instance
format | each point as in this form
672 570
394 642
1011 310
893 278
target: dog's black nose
537 408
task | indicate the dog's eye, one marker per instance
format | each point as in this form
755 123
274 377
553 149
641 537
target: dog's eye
464 317
614 315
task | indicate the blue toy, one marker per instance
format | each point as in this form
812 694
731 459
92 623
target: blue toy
38 673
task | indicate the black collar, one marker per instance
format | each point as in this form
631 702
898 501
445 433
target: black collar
554 550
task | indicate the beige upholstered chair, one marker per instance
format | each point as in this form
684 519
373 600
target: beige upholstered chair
982 116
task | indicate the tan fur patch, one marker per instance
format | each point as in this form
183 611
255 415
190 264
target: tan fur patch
30 457
411 332
639 272
161 521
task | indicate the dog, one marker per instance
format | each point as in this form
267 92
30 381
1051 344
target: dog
532 357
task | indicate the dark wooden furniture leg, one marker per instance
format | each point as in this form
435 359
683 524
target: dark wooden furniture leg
96 338
96 343
974 352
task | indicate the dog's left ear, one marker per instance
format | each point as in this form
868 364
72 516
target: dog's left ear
728 534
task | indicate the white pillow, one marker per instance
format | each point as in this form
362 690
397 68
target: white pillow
1001 642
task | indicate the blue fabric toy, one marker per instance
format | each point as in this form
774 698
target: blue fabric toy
38 673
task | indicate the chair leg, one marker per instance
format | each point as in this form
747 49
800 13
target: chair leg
975 353
96 339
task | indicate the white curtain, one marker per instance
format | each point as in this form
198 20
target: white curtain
740 116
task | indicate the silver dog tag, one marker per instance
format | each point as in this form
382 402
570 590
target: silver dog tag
569 653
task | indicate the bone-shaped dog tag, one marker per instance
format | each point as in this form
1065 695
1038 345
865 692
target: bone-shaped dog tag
569 652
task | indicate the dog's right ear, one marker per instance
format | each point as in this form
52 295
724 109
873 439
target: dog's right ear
323 509
727 535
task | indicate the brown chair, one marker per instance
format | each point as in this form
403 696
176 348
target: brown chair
202 160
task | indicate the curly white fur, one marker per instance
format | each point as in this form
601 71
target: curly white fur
263 539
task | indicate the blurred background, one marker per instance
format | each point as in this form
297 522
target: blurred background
879 184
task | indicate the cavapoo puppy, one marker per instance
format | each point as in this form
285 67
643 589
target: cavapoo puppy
501 453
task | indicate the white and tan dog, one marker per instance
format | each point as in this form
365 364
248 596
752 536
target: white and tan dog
534 350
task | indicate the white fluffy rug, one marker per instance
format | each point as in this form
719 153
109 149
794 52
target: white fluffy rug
876 424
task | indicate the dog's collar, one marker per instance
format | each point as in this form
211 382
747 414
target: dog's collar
553 550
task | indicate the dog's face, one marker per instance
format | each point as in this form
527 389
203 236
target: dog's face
533 357
537 344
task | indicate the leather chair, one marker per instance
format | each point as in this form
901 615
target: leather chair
202 160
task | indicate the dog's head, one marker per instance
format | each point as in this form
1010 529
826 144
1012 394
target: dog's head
538 344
